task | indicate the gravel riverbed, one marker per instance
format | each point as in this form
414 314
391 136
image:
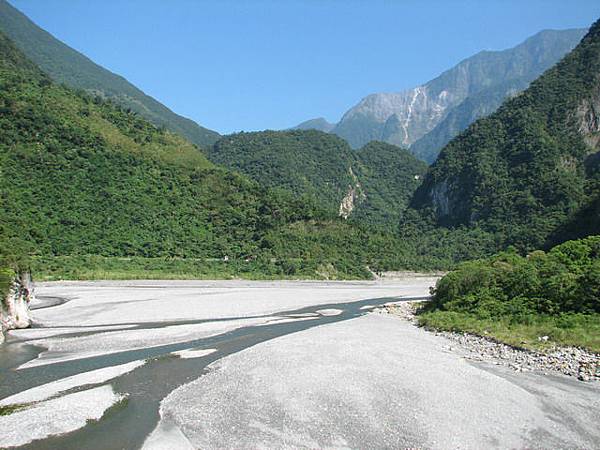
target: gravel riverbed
571 361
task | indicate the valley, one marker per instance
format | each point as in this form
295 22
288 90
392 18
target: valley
424 273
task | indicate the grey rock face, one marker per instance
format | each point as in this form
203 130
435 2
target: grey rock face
588 119
401 117
485 79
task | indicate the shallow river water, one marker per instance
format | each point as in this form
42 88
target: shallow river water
128 423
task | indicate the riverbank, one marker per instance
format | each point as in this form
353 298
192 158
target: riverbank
248 364
175 328
545 358
94 267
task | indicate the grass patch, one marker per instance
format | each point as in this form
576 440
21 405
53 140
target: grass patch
92 267
578 330
6 410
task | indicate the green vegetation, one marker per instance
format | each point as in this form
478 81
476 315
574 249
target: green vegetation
389 176
6 410
323 167
516 299
7 276
82 176
532 167
65 65
306 162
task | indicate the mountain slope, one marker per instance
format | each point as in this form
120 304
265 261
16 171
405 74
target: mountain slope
372 185
461 116
389 176
81 176
532 167
404 117
68 66
319 124
305 162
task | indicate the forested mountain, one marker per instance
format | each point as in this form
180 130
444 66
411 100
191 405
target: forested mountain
306 162
66 65
371 187
427 117
389 176
530 172
81 176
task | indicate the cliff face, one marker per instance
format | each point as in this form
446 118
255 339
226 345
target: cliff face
14 307
479 83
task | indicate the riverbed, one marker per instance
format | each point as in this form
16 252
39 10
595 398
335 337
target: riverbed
239 364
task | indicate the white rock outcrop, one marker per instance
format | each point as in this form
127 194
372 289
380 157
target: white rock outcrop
14 307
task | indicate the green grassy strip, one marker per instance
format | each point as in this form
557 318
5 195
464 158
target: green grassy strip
578 330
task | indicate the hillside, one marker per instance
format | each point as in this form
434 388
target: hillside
372 185
427 117
530 172
305 162
82 176
389 176
68 66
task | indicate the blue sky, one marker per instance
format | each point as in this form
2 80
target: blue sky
251 65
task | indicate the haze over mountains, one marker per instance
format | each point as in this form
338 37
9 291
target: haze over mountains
426 117
66 65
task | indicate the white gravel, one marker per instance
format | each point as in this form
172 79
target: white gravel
101 305
56 416
376 382
54 388
104 343
110 303
187 354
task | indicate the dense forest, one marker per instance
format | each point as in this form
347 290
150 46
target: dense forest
516 298
82 176
320 166
308 163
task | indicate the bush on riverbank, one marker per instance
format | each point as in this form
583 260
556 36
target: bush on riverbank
520 298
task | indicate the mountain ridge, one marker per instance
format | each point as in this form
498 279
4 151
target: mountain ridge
476 86
533 166
66 65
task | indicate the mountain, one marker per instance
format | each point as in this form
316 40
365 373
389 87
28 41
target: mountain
460 117
476 86
530 172
306 162
319 124
389 176
371 185
65 65
82 176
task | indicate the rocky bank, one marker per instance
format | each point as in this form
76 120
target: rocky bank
569 361
14 306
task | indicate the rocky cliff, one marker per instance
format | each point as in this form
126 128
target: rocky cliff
14 306
478 83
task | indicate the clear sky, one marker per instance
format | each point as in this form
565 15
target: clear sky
251 65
